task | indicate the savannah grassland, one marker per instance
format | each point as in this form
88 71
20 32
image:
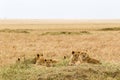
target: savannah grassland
55 40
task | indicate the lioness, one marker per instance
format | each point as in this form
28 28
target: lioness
86 58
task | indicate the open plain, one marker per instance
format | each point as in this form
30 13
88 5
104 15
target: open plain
56 39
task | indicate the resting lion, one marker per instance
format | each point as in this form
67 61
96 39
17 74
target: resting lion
86 58
50 62
79 57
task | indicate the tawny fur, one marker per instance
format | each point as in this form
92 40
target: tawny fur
50 62
75 59
40 60
85 58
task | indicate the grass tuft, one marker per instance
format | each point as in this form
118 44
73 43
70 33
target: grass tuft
14 72
62 63
14 31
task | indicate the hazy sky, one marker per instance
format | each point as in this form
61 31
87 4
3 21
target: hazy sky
60 9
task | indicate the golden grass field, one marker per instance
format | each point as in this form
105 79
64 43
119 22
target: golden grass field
56 39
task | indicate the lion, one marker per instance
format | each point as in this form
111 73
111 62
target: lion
79 57
39 60
23 59
86 58
50 62
75 59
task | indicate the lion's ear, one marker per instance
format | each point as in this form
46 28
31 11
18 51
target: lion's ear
65 57
41 54
73 52
45 60
38 55
18 59
78 52
50 59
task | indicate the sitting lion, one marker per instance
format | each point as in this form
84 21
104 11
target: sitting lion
75 58
40 60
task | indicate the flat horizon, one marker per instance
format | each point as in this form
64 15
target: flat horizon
57 21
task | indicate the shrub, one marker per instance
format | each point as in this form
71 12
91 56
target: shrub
66 33
14 31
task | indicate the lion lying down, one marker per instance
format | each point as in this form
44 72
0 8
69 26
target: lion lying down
78 57
39 60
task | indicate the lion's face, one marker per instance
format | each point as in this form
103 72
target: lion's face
74 58
39 56
84 55
48 62
75 54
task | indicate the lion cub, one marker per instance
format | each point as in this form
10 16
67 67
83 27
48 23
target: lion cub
75 58
40 60
85 58
50 62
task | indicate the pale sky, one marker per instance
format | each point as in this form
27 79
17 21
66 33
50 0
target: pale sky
60 9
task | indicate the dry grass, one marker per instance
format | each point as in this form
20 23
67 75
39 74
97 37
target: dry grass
14 42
